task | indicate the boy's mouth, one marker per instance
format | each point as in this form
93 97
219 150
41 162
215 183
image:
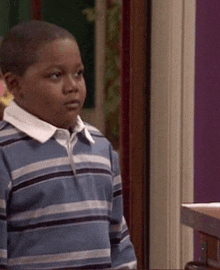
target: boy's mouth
72 104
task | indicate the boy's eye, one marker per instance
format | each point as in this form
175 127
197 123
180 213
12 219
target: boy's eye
80 73
55 75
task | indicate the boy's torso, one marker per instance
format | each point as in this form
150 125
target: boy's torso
53 210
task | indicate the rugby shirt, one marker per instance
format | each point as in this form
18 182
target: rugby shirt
60 199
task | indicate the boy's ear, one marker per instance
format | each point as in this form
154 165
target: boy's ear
12 82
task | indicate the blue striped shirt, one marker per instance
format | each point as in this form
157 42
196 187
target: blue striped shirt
61 201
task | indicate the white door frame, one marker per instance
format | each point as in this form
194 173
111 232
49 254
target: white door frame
172 131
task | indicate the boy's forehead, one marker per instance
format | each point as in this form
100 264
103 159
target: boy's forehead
61 54
59 49
60 45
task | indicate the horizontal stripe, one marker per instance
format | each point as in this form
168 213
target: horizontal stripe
11 141
115 228
87 219
125 234
62 208
58 162
3 253
91 159
58 175
130 265
116 241
39 165
114 222
117 193
42 178
2 204
127 237
117 180
124 224
84 267
93 170
2 217
78 255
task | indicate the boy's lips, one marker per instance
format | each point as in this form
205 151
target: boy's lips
72 104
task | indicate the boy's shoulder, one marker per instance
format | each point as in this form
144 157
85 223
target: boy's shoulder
93 130
95 133
7 130
5 125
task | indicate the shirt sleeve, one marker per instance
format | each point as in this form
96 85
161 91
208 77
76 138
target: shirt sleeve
122 250
4 191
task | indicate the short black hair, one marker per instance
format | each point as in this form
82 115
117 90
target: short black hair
19 48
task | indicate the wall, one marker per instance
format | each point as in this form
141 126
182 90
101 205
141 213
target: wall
12 12
207 104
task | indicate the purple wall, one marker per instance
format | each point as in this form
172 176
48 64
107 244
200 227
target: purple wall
207 104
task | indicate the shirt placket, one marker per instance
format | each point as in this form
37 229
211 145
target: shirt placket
70 145
64 139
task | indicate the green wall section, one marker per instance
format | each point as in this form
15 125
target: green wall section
4 16
13 12
19 11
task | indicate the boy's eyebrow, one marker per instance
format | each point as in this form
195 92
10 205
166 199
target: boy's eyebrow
80 65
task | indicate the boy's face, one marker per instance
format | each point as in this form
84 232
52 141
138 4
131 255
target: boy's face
53 89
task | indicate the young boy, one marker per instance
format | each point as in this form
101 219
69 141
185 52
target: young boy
60 186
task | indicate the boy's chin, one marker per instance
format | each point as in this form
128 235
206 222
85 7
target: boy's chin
66 124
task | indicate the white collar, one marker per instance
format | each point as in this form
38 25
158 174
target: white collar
35 127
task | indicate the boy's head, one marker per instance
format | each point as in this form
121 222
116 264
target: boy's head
20 46
42 67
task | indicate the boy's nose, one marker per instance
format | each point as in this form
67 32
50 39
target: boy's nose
70 86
